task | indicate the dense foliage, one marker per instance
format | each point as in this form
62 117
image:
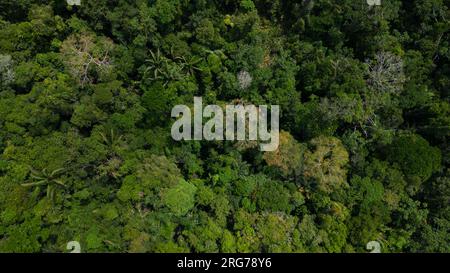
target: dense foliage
86 152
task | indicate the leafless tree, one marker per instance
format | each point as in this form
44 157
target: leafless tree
6 70
244 79
386 73
84 55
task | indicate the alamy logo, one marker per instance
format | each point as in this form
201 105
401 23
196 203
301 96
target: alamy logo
374 2
74 2
236 125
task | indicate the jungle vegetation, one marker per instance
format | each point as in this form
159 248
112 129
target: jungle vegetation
86 152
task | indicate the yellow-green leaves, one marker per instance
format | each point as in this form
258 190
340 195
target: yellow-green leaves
180 199
288 157
228 21
325 163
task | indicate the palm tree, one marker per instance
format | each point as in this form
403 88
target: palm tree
172 73
156 65
45 178
161 68
190 65
111 139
